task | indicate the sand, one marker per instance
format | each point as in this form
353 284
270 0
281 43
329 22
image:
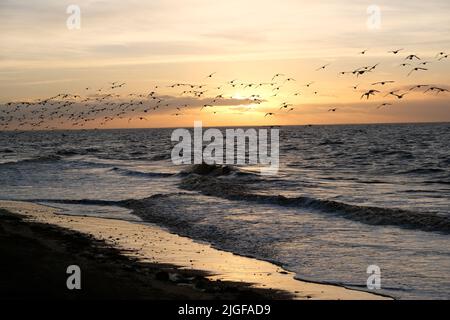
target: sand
152 245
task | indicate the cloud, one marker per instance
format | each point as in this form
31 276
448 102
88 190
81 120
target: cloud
239 35
145 43
150 48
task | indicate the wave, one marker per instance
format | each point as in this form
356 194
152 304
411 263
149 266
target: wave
401 153
69 152
233 190
215 170
437 182
132 155
422 171
49 158
159 157
92 202
371 181
330 142
289 148
75 152
124 156
128 172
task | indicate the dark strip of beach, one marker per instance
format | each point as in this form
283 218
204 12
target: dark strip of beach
35 256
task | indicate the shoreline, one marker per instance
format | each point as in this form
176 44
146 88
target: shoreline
177 266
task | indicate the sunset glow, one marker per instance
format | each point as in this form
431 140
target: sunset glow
149 45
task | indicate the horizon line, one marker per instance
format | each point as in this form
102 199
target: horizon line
242 126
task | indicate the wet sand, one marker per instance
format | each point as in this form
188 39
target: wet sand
159 264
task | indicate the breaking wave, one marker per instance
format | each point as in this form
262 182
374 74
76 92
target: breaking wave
128 172
423 171
49 158
212 170
241 191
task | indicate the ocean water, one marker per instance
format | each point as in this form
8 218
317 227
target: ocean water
346 197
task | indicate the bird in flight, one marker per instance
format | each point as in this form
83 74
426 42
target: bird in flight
323 67
438 90
205 106
400 96
384 105
419 86
363 70
285 105
289 79
392 93
412 57
99 101
382 82
395 51
372 67
277 75
276 89
360 72
416 69
369 93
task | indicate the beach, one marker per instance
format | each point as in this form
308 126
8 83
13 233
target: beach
234 150
127 260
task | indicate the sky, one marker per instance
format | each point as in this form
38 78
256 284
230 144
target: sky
159 43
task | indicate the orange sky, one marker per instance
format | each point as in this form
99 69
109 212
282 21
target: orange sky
159 43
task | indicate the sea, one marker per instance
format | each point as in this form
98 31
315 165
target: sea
346 197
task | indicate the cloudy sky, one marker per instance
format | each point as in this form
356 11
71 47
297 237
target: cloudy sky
159 43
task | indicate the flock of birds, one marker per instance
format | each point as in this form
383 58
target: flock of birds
103 105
